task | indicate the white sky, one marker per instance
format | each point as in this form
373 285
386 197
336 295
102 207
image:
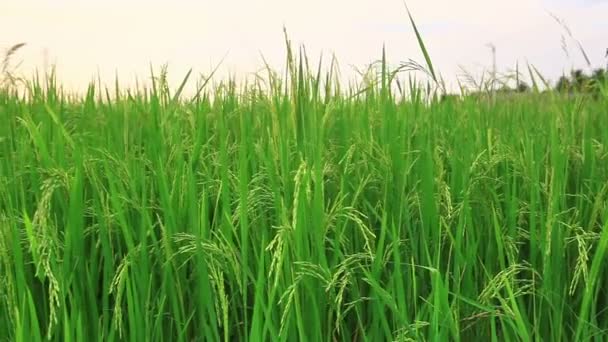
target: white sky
123 37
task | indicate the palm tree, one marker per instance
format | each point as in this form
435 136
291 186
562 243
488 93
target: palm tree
579 79
563 84
599 75
598 80
522 87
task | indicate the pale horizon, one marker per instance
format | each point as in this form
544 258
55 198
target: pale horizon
116 38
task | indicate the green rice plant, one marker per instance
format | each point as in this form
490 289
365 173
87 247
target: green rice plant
295 208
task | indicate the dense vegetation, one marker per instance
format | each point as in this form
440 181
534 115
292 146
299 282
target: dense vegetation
295 209
578 81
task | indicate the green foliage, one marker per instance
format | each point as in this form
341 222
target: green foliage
294 209
580 82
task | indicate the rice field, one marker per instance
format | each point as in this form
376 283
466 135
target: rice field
292 208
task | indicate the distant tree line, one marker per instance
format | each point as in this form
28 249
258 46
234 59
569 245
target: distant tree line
578 81
520 87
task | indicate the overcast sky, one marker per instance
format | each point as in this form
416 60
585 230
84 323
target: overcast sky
84 38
